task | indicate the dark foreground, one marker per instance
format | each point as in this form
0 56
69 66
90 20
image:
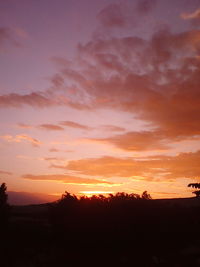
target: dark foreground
121 231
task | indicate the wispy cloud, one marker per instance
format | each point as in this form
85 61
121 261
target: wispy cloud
54 150
21 138
51 127
44 126
67 179
7 37
193 15
5 172
73 124
112 128
24 126
44 99
35 99
52 159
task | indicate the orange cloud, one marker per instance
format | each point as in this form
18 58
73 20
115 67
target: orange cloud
168 99
152 168
67 179
105 166
137 141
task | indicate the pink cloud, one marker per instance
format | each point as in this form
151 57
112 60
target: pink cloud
145 6
32 99
40 100
112 16
5 172
7 36
51 127
24 126
54 150
155 80
75 125
112 128
21 138
157 94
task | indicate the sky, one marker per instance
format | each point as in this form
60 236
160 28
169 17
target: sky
100 96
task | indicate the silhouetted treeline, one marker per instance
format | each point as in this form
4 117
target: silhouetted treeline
97 215
127 224
117 230
120 213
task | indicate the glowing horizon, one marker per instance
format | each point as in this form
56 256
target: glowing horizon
91 193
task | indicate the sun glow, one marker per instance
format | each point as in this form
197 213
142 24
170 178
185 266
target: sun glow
91 193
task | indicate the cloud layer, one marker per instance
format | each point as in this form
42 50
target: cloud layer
157 80
158 168
67 179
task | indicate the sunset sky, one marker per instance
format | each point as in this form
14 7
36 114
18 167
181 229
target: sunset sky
100 96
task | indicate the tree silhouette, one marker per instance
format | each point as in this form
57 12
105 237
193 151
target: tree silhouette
195 185
4 207
145 195
3 195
